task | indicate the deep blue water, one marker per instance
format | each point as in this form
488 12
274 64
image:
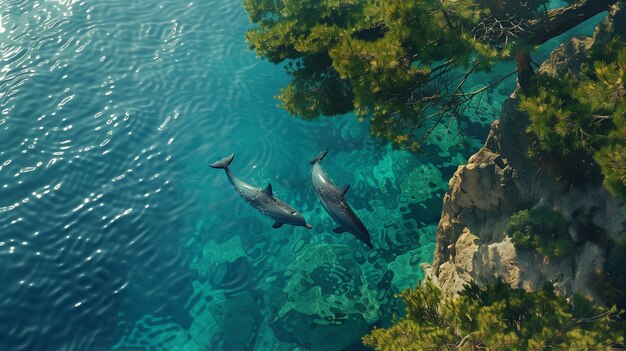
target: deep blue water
114 233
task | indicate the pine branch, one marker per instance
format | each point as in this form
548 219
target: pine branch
562 19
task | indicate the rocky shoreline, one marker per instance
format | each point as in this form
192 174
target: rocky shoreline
500 180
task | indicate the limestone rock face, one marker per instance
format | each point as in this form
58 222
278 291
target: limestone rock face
566 59
500 180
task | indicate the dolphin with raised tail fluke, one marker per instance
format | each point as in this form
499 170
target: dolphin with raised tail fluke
333 200
263 199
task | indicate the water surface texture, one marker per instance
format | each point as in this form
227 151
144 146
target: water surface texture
115 233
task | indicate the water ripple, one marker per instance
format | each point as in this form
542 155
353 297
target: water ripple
86 164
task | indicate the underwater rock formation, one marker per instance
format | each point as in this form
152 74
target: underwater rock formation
325 288
498 181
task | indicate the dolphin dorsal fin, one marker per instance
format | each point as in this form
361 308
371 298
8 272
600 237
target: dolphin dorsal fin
345 189
268 190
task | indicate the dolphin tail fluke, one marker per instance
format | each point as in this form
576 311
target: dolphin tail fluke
223 163
319 157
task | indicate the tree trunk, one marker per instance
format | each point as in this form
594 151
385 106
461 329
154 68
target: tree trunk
562 19
558 21
524 69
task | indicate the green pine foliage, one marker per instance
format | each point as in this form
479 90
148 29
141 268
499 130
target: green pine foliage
498 317
540 230
399 63
578 124
380 59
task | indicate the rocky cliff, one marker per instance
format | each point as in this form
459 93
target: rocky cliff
500 180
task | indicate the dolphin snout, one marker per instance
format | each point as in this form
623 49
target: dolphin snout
300 221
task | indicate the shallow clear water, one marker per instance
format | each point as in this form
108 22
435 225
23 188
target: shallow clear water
114 233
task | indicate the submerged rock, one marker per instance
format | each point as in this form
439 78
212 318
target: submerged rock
327 288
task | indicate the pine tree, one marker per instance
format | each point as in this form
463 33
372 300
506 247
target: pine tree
578 124
401 63
498 317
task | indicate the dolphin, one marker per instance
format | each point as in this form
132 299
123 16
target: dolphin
263 199
333 200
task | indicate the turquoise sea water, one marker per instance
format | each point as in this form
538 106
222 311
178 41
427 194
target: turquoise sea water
114 232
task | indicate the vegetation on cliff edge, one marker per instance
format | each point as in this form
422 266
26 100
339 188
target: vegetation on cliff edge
498 317
578 124
540 230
